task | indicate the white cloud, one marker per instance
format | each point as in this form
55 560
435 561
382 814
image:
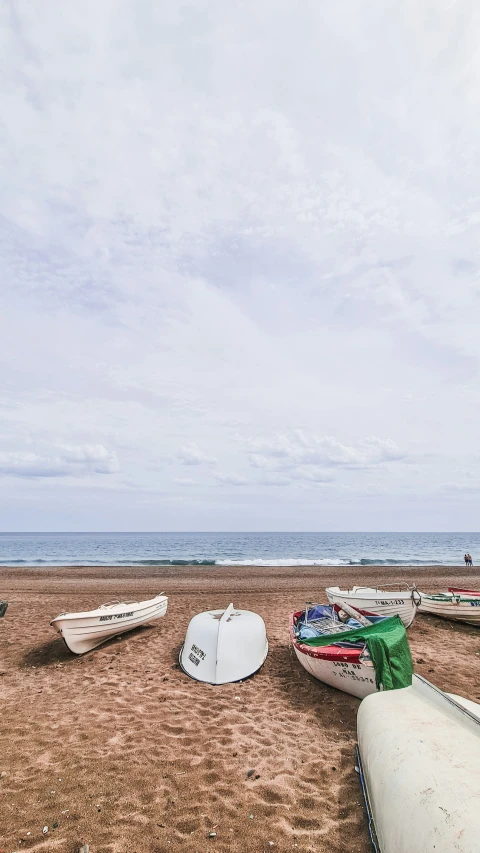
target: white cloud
273 480
297 450
68 461
227 220
192 455
184 481
230 479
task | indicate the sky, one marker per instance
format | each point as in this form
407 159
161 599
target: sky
239 265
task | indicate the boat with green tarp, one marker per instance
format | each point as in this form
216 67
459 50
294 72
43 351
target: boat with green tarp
360 659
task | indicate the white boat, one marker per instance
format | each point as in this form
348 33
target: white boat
383 602
87 630
419 762
224 645
342 663
461 606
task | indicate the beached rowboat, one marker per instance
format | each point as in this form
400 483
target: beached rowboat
343 661
461 606
383 602
224 645
87 630
419 762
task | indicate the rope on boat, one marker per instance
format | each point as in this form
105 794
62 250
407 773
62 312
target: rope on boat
416 597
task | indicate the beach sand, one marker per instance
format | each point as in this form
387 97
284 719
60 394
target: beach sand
119 749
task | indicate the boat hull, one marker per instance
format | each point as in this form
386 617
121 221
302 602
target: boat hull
336 666
351 677
380 602
467 611
420 757
223 646
83 632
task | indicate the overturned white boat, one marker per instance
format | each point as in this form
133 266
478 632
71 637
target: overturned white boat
402 600
85 631
224 645
419 762
459 605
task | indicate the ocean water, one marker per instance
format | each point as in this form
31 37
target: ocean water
237 549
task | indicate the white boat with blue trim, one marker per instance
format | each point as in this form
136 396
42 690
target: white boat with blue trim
457 604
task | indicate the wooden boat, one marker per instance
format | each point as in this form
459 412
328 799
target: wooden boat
224 645
87 630
419 761
3 607
342 663
383 602
461 606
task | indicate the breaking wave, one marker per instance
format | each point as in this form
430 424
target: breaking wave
253 561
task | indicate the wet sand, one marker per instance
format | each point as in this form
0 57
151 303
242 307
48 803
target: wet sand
120 750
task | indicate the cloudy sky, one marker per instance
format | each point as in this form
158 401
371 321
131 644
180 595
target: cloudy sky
240 265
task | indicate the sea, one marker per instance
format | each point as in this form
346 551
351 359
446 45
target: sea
237 549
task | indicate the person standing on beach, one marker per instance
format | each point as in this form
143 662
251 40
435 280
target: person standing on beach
466 559
469 560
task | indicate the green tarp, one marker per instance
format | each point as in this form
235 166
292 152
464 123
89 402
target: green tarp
388 646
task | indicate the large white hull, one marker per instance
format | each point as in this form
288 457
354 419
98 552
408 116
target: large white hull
223 646
83 632
460 611
358 679
420 765
380 602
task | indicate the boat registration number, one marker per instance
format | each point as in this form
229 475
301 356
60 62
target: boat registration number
475 603
111 616
392 601
347 670
196 655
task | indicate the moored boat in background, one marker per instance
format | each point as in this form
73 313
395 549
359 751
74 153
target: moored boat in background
461 606
383 602
86 630
419 756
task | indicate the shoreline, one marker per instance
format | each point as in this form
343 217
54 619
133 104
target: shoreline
123 751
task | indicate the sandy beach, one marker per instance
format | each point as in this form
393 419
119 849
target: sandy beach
120 750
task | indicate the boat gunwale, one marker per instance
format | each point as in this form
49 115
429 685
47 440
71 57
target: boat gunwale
331 653
456 591
356 592
103 611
